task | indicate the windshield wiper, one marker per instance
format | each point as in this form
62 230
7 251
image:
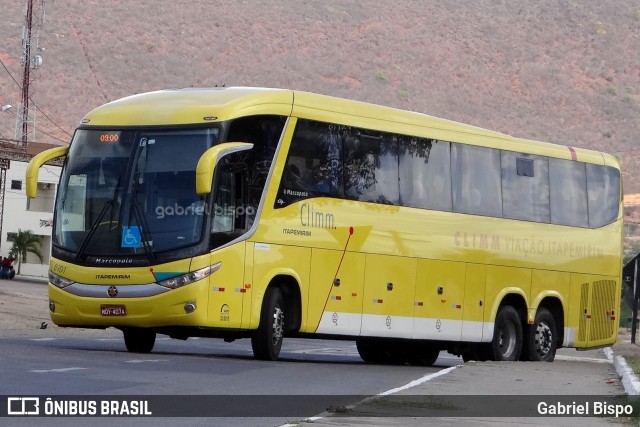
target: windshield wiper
92 230
140 218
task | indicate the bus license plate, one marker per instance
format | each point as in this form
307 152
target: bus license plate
113 310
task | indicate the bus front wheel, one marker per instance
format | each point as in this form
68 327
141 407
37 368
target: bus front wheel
266 341
507 335
139 340
540 340
423 354
371 351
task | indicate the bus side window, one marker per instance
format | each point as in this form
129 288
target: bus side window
603 190
314 163
476 180
568 193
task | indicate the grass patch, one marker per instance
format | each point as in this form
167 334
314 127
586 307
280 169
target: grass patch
382 76
634 363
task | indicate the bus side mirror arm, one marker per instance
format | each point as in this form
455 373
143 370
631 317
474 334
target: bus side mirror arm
36 163
208 161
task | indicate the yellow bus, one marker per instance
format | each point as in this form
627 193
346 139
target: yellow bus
269 213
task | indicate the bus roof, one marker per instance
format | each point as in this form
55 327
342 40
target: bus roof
207 105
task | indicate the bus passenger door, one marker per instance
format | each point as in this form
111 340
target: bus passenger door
388 296
229 221
439 301
226 287
335 295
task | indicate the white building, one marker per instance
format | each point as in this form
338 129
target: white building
22 213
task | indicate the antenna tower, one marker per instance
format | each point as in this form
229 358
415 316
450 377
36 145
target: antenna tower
31 60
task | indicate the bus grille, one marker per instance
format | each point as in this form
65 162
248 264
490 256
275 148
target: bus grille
602 304
596 311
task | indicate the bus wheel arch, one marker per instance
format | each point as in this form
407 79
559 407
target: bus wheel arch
280 315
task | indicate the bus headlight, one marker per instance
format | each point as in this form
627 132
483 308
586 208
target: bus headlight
59 281
185 279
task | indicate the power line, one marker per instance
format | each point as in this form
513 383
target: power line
34 104
44 114
39 130
10 75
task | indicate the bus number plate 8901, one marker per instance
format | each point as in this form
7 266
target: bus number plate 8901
113 310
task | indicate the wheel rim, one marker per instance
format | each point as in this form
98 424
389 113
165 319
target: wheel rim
507 339
278 325
543 339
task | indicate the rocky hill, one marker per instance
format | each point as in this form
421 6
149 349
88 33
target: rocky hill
562 71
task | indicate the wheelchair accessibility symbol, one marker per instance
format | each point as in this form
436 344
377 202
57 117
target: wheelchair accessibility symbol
131 237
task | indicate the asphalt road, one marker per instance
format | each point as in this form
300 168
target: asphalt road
57 361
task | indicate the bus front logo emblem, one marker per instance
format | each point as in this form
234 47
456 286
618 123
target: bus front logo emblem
113 291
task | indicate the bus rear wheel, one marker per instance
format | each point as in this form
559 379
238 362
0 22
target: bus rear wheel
266 341
139 340
540 341
507 335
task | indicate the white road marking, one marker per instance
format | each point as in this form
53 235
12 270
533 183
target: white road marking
43 339
412 384
326 351
419 381
57 370
146 360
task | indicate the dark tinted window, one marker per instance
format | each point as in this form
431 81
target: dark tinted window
314 164
603 184
476 180
425 173
264 133
525 187
568 193
371 167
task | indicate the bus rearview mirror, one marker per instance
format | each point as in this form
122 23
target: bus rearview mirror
207 163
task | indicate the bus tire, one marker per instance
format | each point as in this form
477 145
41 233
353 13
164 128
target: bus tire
423 354
371 352
266 341
478 352
139 340
540 342
507 335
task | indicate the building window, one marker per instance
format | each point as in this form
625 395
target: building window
16 184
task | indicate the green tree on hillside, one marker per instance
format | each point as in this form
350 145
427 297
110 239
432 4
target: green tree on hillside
24 242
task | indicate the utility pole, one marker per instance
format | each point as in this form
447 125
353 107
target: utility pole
4 165
34 18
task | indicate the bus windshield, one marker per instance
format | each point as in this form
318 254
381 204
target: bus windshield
131 192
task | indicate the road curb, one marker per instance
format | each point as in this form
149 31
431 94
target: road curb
628 378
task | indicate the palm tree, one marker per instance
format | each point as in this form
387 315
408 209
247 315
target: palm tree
23 242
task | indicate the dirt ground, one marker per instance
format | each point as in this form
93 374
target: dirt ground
24 311
624 347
